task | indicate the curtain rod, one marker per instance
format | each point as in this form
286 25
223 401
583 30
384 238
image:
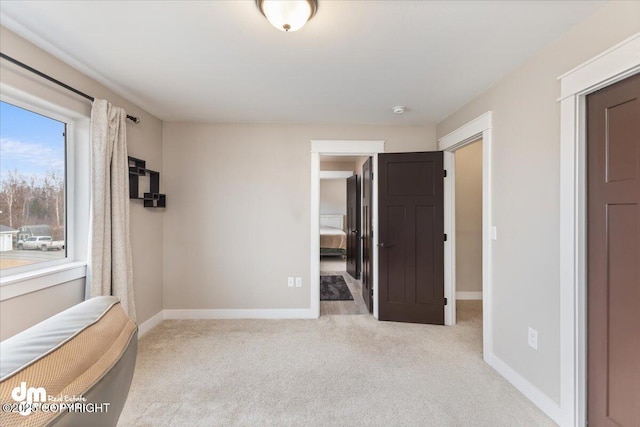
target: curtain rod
58 82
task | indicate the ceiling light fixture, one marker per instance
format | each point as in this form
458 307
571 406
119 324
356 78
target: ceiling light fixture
399 109
288 15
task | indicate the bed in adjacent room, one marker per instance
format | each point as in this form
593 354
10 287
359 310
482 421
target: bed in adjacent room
333 239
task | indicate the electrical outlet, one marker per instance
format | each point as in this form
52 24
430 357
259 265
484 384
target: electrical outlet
532 338
298 282
290 282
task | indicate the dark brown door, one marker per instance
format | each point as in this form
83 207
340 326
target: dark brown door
613 358
411 240
367 234
353 226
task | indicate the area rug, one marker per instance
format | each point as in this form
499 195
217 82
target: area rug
334 288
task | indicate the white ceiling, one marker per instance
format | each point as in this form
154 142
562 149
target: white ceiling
221 61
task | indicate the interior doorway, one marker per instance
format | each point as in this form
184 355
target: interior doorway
468 232
338 150
478 129
340 232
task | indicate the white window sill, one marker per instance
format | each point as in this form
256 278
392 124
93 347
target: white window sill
24 283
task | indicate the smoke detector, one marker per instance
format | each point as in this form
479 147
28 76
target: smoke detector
399 109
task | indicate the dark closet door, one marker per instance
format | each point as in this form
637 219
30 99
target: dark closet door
613 167
411 239
353 226
367 234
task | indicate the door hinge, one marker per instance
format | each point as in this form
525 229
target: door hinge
445 237
371 176
445 301
445 173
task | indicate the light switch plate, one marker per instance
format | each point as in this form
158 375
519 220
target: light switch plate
298 282
532 338
290 282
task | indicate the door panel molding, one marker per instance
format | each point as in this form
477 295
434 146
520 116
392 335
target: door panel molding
353 228
367 249
611 66
411 217
613 254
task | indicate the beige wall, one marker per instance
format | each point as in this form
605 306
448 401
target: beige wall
20 313
526 137
336 166
333 196
238 221
469 218
144 141
359 163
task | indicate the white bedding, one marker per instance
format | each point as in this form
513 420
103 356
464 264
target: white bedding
331 231
332 238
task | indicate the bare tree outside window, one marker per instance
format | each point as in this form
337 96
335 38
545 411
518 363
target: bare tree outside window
32 188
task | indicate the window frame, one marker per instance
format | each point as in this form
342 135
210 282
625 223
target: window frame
24 279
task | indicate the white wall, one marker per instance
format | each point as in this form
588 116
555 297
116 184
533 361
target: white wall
469 218
526 191
144 141
333 196
238 221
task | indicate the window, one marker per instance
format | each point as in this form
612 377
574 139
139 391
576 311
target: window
33 207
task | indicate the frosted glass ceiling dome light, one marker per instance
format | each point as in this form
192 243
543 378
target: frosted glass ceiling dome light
288 15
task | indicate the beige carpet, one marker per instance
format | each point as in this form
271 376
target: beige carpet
335 371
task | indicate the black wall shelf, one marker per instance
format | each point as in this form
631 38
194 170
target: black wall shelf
153 199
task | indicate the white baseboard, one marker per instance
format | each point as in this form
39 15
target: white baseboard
279 313
469 295
541 400
231 313
150 323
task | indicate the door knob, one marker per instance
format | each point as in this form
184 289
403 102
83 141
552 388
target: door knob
384 245
354 231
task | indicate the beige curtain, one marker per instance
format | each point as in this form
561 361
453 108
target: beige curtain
110 265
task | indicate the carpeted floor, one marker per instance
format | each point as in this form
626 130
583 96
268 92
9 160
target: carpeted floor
335 371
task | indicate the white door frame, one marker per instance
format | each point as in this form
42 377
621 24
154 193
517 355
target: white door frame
480 127
613 65
340 148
